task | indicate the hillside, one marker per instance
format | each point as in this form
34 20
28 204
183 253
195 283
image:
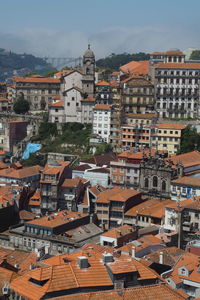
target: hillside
20 64
114 61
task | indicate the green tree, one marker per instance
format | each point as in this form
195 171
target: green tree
21 106
195 55
50 73
103 148
190 140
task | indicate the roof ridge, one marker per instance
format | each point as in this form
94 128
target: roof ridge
76 280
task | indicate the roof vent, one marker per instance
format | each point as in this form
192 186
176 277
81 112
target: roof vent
107 258
83 262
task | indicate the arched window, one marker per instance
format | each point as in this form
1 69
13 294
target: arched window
155 181
146 183
163 185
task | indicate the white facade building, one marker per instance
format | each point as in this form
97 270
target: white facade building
102 120
72 104
177 85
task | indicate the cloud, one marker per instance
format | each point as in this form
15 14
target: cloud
52 43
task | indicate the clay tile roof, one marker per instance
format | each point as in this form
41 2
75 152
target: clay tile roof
58 104
150 292
116 194
26 215
186 180
71 183
170 256
81 167
176 126
187 159
3 165
102 83
100 170
100 160
57 219
142 116
136 67
36 80
118 231
20 173
187 66
88 99
102 107
174 52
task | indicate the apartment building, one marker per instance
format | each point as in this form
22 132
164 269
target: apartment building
53 234
117 237
125 169
184 218
137 131
185 187
52 178
37 90
104 92
87 105
138 95
148 213
102 121
56 112
112 204
167 136
71 193
177 85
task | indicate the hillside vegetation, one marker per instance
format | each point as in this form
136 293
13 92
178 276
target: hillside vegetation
114 61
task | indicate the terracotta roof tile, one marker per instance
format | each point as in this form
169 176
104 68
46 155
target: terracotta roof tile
136 67
150 292
36 80
58 104
176 126
57 219
102 107
187 66
119 231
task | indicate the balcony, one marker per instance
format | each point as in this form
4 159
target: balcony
46 193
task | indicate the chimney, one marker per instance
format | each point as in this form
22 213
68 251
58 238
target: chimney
161 258
107 258
133 252
83 262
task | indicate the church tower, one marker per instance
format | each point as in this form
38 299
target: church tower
88 81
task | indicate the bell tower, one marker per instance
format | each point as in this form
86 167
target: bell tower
88 81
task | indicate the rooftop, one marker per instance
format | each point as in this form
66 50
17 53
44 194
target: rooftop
176 126
119 231
117 194
57 219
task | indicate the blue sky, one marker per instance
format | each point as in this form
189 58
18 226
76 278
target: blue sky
64 27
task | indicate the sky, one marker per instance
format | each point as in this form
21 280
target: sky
63 28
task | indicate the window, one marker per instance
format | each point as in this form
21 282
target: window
68 103
155 181
56 110
77 104
73 98
163 185
146 183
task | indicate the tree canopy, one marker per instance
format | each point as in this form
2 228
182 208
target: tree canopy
195 55
21 106
190 140
114 61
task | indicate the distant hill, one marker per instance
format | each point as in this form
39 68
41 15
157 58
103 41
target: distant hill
12 64
114 61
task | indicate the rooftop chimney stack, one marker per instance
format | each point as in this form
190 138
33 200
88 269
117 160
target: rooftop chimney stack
161 258
133 252
83 262
107 258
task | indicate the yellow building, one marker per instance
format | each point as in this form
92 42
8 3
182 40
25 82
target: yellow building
167 136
